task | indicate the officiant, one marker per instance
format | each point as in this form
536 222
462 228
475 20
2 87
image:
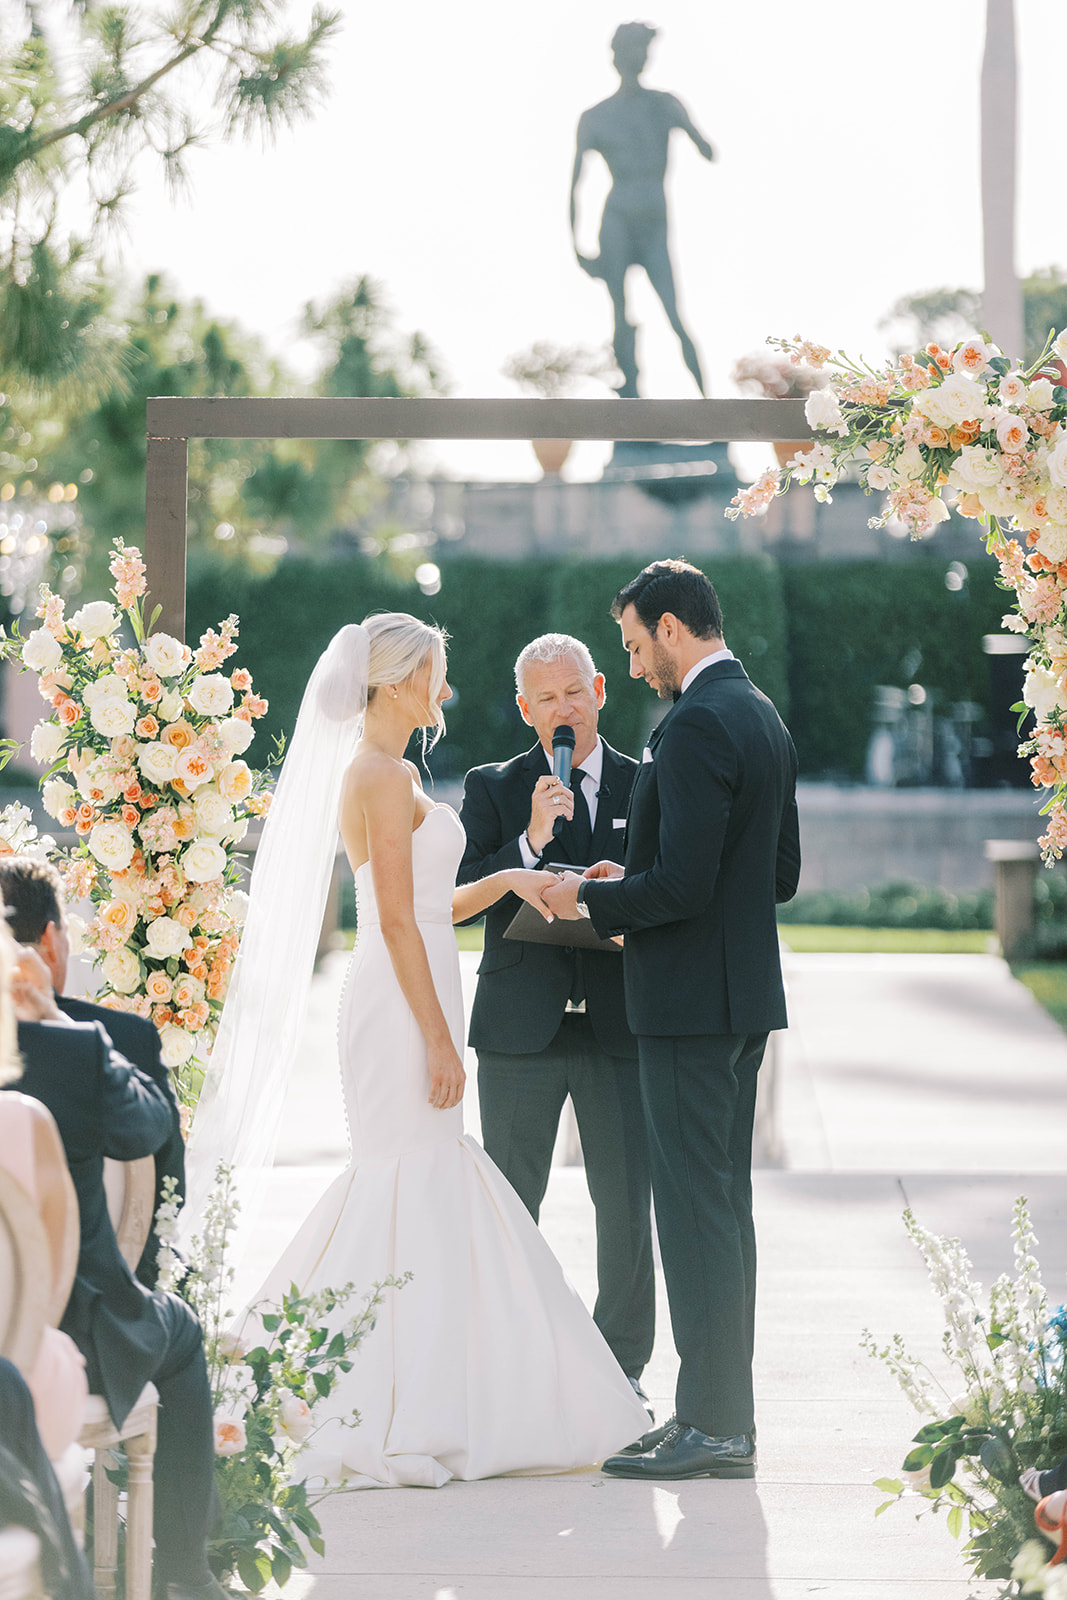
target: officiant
550 1020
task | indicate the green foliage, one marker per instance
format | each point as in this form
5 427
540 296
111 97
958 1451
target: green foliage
72 139
948 315
856 624
891 905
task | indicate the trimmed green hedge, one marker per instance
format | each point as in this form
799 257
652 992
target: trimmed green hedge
856 624
490 611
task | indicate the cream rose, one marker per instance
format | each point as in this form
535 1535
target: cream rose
113 718
238 831
95 620
1039 395
158 988
1042 692
112 845
958 399
1056 463
167 938
236 735
57 795
294 1417
203 861
1011 389
164 655
213 812
109 687
821 409
235 782
121 970
47 743
170 706
158 762
176 1046
211 695
193 767
41 651
237 906
1052 543
976 469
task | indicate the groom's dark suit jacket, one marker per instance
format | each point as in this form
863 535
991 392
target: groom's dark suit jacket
523 988
712 843
103 1106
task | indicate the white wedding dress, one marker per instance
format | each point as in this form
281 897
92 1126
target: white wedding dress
487 1362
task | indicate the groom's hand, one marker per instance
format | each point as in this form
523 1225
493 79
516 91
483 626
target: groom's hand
604 869
561 897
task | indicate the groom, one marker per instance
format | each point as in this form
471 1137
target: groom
548 1020
712 843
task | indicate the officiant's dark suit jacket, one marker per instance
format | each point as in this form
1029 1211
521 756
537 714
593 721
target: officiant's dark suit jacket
103 1106
712 844
138 1040
524 988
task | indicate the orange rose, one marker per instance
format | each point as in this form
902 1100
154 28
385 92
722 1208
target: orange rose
130 816
179 734
85 812
68 817
151 692
119 914
241 680
969 505
196 1015
146 801
162 1014
146 728
936 437
158 987
185 823
68 713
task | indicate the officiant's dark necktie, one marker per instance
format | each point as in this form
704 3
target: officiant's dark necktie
581 826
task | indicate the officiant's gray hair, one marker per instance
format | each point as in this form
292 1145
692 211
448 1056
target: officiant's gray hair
553 647
399 646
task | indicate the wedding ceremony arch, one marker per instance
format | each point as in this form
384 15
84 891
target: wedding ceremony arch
172 422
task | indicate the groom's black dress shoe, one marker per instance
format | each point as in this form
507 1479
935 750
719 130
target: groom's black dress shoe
687 1453
635 1385
649 1441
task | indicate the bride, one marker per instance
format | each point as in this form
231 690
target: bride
486 1362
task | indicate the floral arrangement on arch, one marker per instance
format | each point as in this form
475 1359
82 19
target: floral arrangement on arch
964 422
143 753
1008 1357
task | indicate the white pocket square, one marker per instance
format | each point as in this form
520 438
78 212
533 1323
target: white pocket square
646 755
618 822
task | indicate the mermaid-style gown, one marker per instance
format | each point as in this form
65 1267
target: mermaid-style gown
487 1362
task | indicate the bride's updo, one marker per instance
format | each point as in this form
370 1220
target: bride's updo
399 647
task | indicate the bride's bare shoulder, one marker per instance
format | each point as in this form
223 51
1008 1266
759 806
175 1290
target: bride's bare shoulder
373 776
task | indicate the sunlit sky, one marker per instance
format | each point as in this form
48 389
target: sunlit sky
847 175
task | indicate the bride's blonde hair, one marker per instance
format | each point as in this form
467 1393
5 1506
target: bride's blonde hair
399 647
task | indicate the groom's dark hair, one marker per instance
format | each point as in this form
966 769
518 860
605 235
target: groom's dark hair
33 895
677 587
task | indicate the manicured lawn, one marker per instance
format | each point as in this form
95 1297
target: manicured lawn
1047 982
890 941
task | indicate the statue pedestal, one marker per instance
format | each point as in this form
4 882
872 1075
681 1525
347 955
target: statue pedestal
673 473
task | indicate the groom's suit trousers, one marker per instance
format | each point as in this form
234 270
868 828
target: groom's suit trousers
699 1093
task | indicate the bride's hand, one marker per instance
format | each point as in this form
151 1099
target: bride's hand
530 885
447 1077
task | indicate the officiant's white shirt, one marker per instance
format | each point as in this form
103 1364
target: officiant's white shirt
592 772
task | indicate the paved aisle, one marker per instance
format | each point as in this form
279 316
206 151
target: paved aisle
927 1081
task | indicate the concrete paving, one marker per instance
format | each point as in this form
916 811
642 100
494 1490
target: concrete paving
930 1081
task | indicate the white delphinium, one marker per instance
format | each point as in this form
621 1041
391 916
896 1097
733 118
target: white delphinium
171 1267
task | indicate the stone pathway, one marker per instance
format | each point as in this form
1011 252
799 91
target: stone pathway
933 1081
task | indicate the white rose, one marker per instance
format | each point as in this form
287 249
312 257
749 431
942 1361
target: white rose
113 718
170 706
41 651
167 938
1011 389
1000 500
1052 543
878 477
121 970
1042 692
158 762
176 1046
211 695
192 767
95 620
235 781
236 735
212 812
1059 345
237 906
109 687
112 845
203 861
958 399
237 833
294 1417
822 410
1056 463
47 743
164 655
976 469
1039 395
57 796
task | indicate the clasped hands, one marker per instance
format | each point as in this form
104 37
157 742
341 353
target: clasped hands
561 897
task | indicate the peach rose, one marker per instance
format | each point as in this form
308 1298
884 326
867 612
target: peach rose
158 988
120 915
235 782
68 712
241 679
146 728
179 734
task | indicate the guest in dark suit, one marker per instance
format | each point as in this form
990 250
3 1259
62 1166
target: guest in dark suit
104 1106
549 1021
33 894
712 843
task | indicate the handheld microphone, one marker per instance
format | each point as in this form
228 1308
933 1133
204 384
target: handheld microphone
562 756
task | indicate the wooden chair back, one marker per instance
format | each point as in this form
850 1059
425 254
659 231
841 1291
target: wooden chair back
25 1275
131 1193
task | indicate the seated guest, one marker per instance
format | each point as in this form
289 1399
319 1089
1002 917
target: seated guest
129 1336
31 1151
34 897
30 1497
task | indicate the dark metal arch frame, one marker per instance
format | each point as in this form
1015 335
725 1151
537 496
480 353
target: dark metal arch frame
172 422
